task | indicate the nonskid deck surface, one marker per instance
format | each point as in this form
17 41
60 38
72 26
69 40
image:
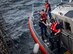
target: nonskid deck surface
46 41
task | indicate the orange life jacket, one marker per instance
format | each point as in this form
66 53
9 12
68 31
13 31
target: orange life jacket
53 27
43 16
46 6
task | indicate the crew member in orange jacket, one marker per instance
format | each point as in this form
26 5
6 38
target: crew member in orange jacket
48 8
56 31
43 21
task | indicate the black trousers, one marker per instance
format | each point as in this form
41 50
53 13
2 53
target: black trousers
58 42
55 38
50 16
43 29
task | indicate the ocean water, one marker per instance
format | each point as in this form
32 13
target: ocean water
15 15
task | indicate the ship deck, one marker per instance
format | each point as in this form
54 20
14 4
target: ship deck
48 46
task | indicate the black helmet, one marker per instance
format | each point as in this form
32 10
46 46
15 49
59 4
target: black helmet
52 20
42 9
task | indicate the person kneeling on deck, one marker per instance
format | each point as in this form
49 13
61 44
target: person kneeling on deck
48 9
56 31
42 24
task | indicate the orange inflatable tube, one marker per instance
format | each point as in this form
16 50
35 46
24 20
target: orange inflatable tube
43 50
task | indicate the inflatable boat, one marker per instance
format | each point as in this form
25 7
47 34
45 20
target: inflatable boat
62 13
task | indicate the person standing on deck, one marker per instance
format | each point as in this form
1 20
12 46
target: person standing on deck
56 31
48 8
42 24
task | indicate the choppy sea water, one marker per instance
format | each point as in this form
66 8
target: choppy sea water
15 14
